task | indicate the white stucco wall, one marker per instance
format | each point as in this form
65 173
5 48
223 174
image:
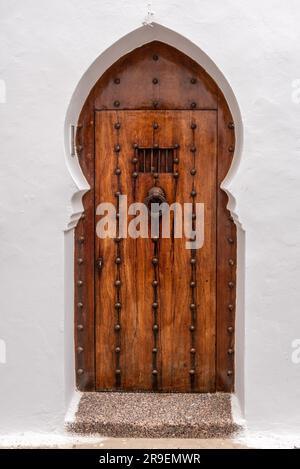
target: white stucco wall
45 52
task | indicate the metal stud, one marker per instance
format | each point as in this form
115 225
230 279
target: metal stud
230 240
155 261
192 372
193 105
117 125
230 284
117 148
155 57
117 81
155 283
193 171
118 260
194 216
193 351
80 283
80 305
117 194
80 371
117 350
192 306
175 175
134 160
230 351
154 305
118 372
192 284
193 126
156 145
154 372
117 283
231 125
155 327
117 327
231 149
155 81
155 125
193 149
229 373
118 171
155 175
176 160
135 174
193 260
79 349
135 146
176 146
154 350
116 103
80 327
192 327
230 307
118 305
231 262
230 329
80 260
155 239
81 239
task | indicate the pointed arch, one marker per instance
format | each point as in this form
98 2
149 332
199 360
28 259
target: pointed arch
89 88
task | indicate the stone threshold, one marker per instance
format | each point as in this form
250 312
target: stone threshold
154 415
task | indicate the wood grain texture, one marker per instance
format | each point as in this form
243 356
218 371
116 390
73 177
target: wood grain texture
226 256
180 83
137 272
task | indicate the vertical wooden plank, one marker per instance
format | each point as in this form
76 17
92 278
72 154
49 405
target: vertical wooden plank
174 266
206 186
137 339
84 260
105 189
226 256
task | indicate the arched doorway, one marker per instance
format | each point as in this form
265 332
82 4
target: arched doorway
151 315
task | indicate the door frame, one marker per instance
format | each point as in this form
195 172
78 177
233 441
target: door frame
84 232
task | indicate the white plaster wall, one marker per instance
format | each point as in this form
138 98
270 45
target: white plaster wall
45 51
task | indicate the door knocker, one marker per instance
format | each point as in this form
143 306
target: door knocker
156 195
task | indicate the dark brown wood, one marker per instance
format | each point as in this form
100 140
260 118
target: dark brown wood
130 84
226 256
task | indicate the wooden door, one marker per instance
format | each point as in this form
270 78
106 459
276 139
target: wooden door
172 336
156 336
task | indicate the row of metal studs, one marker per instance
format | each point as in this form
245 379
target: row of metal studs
155 104
80 284
193 261
155 81
118 259
155 261
231 285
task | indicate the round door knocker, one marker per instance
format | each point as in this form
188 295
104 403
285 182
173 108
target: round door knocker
156 195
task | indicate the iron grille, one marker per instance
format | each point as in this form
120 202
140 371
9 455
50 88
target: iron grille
155 159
